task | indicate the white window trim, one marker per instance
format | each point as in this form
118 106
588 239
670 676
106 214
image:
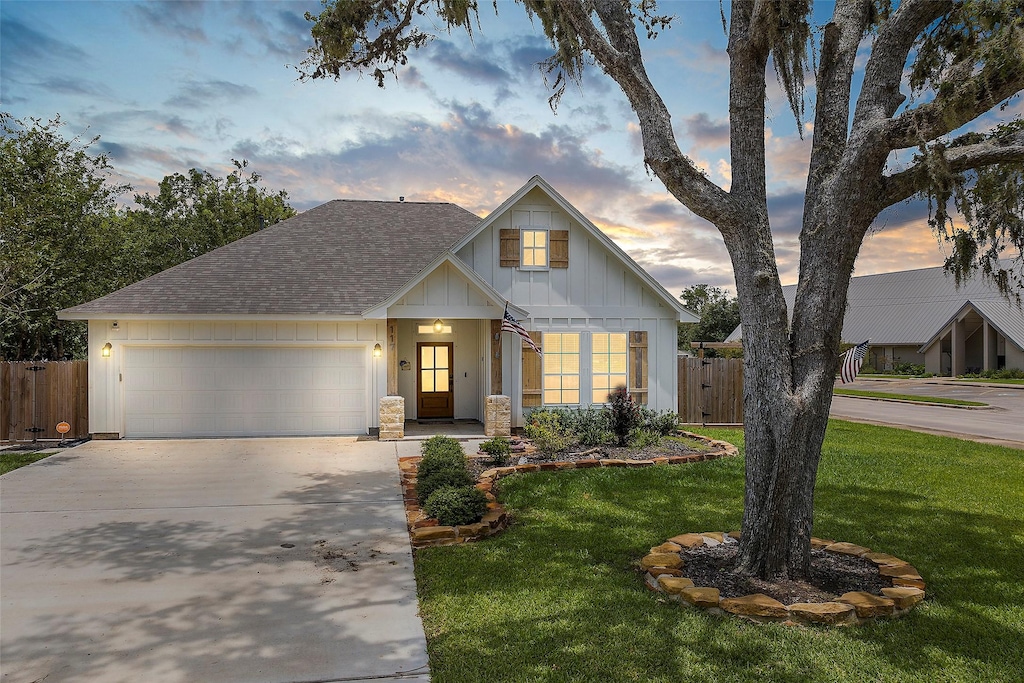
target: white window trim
522 246
590 356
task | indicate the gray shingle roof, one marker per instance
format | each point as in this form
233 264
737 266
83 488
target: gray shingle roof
909 306
338 258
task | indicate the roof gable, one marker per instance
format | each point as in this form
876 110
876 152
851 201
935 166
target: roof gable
336 259
537 183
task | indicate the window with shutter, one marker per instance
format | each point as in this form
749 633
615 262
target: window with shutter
562 368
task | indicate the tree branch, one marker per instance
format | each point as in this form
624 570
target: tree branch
748 58
880 95
961 98
994 150
835 75
620 57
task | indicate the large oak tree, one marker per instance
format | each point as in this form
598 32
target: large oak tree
964 59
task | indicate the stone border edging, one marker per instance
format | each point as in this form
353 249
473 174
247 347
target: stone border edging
426 532
663 574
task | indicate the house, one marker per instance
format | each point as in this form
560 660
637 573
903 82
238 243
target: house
920 317
312 325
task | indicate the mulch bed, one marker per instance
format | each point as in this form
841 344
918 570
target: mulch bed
832 574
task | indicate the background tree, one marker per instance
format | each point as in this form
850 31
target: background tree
64 239
197 212
719 315
58 227
964 59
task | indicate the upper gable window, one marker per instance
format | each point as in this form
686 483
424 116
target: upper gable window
535 248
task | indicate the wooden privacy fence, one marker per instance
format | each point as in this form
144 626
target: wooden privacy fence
35 400
711 390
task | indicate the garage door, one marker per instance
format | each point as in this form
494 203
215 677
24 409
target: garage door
230 391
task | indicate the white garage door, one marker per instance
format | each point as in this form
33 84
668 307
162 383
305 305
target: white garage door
231 391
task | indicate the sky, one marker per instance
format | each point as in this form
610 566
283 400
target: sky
170 86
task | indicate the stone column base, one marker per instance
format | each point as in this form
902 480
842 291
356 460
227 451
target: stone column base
392 418
497 416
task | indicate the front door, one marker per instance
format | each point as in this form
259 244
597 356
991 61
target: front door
434 380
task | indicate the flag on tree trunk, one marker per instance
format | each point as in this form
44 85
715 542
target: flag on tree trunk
852 361
510 324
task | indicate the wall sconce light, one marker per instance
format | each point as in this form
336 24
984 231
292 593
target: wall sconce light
438 326
377 351
106 350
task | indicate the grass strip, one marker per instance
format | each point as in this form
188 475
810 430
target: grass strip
557 598
839 391
12 461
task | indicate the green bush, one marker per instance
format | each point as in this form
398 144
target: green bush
589 426
499 448
426 485
441 453
454 505
625 415
545 428
662 423
1008 373
643 437
907 369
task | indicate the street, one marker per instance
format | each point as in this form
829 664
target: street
1002 423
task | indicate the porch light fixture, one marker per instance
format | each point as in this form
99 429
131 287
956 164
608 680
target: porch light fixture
106 350
438 326
377 351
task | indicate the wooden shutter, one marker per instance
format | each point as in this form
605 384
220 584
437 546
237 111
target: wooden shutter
559 248
532 374
509 254
638 366
495 357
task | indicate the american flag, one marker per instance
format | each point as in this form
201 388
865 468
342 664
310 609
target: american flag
510 324
852 360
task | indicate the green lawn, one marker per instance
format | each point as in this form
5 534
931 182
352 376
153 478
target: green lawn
12 461
986 380
840 391
556 597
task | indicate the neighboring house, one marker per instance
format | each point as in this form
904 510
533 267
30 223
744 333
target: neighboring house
303 327
920 317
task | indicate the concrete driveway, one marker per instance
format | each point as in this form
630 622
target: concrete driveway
167 561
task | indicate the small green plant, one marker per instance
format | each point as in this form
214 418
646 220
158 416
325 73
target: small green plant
441 453
643 437
545 428
499 448
425 486
454 505
625 416
662 423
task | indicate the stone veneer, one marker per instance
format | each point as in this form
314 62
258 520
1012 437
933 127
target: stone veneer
497 415
392 418
426 532
663 574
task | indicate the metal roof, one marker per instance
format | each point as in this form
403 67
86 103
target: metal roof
908 307
338 258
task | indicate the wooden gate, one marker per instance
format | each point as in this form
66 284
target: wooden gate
33 401
711 390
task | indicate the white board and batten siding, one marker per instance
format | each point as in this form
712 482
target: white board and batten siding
597 293
199 378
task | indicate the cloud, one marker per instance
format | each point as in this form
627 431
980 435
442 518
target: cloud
208 93
477 65
22 46
182 19
272 28
75 86
705 132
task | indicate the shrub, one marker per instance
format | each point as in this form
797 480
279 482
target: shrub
499 448
426 485
545 428
663 423
644 437
907 369
451 505
441 454
1007 373
589 426
625 417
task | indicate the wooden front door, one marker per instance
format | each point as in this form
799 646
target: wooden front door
434 380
